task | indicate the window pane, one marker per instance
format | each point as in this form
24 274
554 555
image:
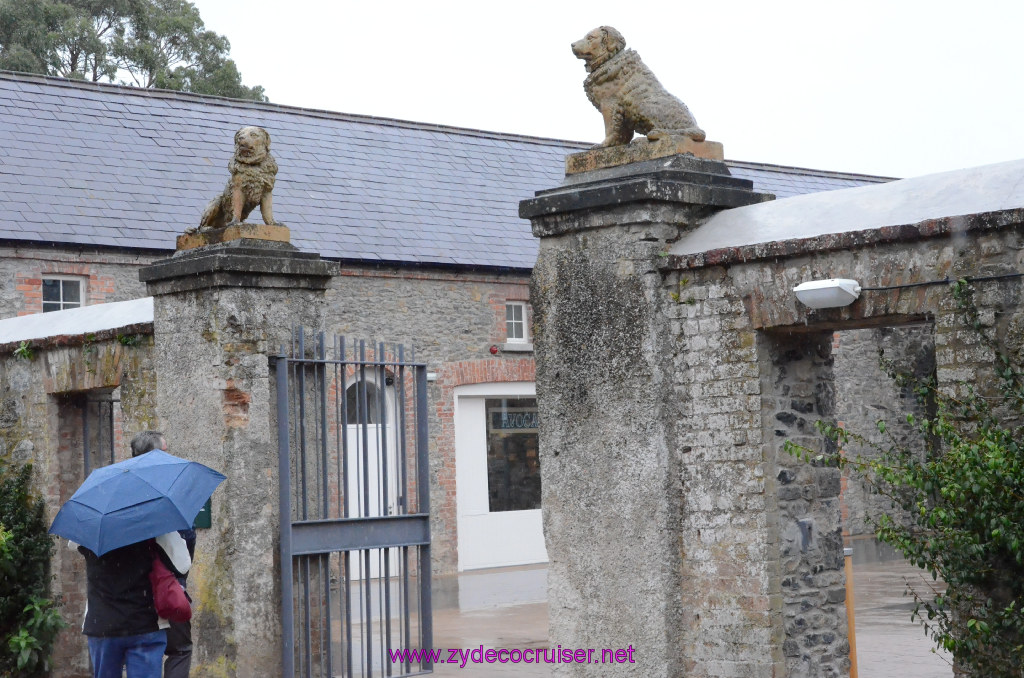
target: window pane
50 306
358 410
51 291
515 328
513 465
72 292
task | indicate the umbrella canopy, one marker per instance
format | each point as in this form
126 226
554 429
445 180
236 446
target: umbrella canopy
134 500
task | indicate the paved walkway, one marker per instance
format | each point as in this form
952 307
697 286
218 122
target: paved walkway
889 645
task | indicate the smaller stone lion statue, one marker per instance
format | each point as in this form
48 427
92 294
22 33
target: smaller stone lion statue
626 92
253 172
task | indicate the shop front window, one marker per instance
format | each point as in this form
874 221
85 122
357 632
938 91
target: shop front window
513 465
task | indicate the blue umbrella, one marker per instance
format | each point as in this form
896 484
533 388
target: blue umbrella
134 500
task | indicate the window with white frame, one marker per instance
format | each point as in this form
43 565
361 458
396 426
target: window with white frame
61 293
515 322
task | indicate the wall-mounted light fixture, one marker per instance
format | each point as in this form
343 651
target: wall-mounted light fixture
830 293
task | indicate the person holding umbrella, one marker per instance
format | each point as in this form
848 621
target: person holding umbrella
114 516
178 653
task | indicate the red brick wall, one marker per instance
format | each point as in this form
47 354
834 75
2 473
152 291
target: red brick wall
70 656
28 283
499 295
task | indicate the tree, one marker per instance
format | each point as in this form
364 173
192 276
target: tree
145 43
965 500
29 623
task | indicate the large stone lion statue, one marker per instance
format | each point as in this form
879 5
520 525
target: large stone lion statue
253 172
626 92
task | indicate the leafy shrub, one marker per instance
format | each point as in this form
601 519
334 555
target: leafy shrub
965 500
29 622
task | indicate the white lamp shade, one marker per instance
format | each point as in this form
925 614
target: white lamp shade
830 293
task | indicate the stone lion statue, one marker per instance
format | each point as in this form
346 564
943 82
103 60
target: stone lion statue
626 92
253 172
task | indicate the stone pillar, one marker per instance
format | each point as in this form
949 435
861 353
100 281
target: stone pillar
612 490
220 309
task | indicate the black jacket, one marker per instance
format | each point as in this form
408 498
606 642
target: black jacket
119 593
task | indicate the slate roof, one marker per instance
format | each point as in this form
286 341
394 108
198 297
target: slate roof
111 166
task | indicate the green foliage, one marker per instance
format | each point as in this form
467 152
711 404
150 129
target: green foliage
129 339
146 43
24 351
965 500
29 622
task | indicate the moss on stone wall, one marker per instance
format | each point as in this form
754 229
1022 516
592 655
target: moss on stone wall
221 667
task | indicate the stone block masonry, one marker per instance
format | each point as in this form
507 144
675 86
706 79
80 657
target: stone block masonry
739 315
674 518
659 535
45 399
865 395
219 312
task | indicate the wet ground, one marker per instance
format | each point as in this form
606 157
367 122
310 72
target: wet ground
889 645
505 609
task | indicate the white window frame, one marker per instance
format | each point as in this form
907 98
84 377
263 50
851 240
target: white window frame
63 279
523 322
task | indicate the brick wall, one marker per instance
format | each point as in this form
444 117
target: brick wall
106 276
45 397
799 385
70 653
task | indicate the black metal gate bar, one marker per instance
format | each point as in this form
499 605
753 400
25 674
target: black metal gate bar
344 420
284 469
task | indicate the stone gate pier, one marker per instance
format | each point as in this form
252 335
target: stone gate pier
221 307
673 361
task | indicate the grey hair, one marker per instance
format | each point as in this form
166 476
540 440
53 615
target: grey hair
147 441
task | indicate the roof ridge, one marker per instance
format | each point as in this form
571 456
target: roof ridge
215 100
809 171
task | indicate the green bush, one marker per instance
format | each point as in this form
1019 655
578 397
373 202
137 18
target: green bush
965 500
29 622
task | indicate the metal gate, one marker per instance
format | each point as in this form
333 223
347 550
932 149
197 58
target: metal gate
99 431
355 504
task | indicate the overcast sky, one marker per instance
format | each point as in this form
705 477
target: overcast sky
896 87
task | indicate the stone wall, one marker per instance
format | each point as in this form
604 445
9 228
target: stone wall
612 486
797 389
107 275
745 300
674 517
865 395
449 319
41 421
761 561
215 403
